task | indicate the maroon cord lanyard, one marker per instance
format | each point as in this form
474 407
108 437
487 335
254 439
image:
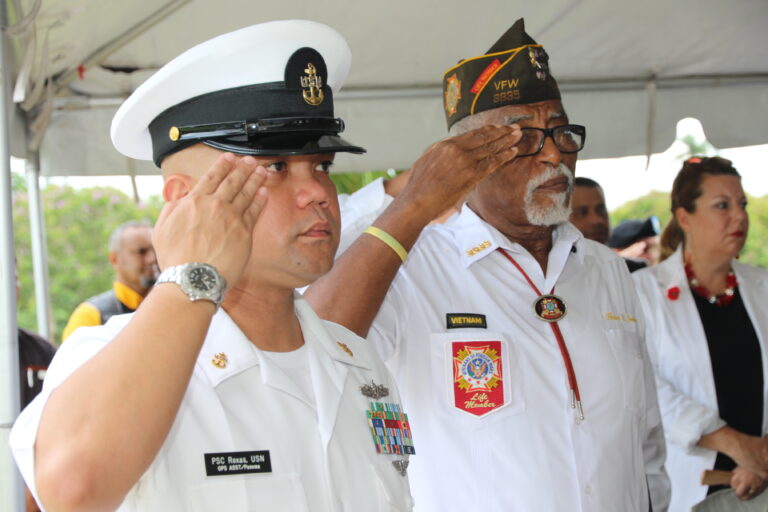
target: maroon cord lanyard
572 383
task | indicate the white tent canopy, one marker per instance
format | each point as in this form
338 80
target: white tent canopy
628 71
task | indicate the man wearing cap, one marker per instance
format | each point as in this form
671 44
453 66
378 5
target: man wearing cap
517 344
638 242
257 405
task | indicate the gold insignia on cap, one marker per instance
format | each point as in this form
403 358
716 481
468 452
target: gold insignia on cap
174 133
345 348
452 94
312 84
220 360
538 66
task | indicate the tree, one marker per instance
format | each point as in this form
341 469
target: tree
349 182
78 225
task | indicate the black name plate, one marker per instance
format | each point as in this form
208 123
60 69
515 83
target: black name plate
237 463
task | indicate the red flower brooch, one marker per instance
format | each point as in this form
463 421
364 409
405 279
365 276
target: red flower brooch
673 293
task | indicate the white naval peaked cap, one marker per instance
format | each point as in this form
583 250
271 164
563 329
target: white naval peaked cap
263 89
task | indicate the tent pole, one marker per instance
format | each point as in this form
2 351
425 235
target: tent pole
10 484
45 325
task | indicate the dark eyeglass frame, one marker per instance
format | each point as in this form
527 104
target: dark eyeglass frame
550 132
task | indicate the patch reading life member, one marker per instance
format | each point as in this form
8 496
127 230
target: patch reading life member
237 463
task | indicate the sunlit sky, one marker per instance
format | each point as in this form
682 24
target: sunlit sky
622 179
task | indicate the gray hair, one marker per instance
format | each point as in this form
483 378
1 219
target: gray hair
469 123
117 234
475 121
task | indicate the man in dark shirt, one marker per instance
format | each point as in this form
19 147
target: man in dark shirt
35 354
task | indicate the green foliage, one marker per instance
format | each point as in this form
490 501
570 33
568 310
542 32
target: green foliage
78 225
756 250
653 203
657 203
695 147
348 182
18 183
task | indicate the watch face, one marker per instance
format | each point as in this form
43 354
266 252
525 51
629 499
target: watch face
202 279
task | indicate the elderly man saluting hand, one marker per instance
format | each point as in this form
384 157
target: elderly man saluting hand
517 344
257 404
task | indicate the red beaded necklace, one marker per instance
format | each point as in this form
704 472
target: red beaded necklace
722 299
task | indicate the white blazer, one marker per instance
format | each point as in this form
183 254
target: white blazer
680 355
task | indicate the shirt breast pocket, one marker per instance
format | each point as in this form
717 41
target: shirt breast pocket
628 352
273 492
477 374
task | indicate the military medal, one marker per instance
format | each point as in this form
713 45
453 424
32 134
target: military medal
550 308
374 391
401 465
391 432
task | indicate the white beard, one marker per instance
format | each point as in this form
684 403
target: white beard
559 209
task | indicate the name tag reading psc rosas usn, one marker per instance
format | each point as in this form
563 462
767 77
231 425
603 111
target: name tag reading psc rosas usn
237 463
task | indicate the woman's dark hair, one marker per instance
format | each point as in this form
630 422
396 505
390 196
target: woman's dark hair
686 190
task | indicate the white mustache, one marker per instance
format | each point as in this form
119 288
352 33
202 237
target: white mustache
548 174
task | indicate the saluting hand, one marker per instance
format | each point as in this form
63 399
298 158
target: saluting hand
450 168
214 222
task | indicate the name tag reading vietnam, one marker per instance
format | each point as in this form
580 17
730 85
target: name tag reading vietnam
237 463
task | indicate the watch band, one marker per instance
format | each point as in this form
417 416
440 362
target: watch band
179 275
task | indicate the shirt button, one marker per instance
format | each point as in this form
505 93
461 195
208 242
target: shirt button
588 489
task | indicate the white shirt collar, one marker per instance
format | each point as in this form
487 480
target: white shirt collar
476 239
227 351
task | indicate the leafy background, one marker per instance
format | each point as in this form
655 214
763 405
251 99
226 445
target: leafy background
79 221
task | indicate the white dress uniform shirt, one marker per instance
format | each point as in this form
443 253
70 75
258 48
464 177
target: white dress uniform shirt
322 455
526 451
680 355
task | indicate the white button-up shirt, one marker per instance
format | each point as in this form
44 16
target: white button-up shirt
486 386
322 454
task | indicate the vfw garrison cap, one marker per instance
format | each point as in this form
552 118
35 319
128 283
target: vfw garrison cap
514 71
266 89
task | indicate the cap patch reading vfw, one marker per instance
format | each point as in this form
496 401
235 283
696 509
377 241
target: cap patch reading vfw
514 71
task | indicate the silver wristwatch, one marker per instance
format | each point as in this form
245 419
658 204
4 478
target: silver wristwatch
199 281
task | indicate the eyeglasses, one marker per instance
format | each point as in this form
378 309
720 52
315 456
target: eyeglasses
568 138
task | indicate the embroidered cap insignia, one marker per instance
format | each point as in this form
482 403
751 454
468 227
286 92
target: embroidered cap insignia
452 94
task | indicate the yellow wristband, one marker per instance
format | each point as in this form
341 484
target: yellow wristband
389 240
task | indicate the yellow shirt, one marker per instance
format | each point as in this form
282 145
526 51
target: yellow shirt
86 314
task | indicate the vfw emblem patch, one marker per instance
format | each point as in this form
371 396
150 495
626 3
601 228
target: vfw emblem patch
478 378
